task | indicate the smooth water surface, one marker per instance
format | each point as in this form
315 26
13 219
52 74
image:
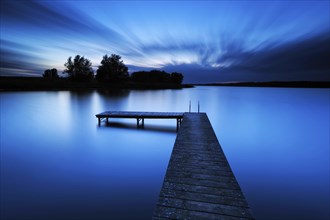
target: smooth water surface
57 163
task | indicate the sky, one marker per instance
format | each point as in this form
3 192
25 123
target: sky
207 41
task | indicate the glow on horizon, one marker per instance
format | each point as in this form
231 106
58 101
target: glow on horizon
153 34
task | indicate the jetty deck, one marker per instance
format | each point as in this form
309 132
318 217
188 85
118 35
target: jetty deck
199 183
140 116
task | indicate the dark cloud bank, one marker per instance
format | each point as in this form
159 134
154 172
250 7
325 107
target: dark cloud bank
306 59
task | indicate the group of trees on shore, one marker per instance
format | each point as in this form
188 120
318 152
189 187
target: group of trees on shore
157 76
50 73
112 70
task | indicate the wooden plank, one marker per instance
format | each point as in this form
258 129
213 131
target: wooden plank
140 116
131 114
199 183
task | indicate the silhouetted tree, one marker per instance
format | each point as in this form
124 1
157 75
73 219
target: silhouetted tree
51 73
176 78
112 69
153 76
156 76
79 69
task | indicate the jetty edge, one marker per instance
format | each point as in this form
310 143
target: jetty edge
140 116
199 182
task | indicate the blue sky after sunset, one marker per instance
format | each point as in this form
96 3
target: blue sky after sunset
208 41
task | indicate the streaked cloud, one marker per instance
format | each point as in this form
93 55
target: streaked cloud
208 36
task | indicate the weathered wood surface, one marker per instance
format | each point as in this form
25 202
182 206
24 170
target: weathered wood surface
199 183
140 116
131 114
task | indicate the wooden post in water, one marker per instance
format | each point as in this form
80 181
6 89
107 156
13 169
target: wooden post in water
178 123
139 116
199 183
138 122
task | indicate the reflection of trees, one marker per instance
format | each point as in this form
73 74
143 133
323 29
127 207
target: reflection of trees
114 92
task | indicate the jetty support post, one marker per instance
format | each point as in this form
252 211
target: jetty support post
138 122
178 123
139 116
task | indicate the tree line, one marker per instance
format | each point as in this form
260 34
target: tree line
112 70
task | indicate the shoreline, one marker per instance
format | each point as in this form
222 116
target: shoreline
44 84
274 84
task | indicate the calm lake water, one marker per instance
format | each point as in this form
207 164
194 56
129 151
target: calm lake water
57 163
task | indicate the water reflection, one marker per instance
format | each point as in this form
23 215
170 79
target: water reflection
57 163
147 127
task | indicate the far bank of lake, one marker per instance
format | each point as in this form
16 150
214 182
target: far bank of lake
43 84
57 84
280 84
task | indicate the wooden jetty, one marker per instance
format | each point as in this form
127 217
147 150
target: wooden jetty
140 116
199 183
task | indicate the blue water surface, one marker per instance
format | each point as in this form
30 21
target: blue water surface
57 163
